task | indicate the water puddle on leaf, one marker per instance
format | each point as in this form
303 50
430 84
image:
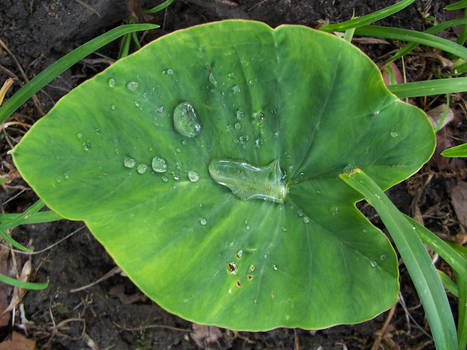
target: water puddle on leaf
186 120
250 182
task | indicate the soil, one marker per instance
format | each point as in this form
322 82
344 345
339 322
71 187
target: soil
113 314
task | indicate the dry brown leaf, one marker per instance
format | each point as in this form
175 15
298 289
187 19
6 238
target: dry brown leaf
204 335
459 201
18 342
19 293
395 72
436 114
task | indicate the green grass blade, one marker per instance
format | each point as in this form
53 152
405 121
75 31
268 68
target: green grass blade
416 259
445 113
429 87
463 36
448 253
348 34
159 7
21 284
124 46
457 5
462 319
432 30
8 221
367 19
51 72
456 151
413 36
449 284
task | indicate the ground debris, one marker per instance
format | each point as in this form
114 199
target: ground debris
205 335
18 342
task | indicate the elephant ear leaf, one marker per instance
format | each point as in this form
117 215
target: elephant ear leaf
207 165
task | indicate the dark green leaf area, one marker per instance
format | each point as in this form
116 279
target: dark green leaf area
293 106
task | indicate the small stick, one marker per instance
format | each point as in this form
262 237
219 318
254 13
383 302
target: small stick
383 330
109 274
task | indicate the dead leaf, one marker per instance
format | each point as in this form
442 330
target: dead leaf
395 72
204 335
459 200
19 293
436 114
18 342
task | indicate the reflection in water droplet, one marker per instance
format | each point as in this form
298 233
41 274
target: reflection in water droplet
141 168
258 116
252 268
111 82
334 211
239 254
170 71
165 178
132 85
159 165
129 162
160 109
186 120
240 115
193 176
373 263
275 267
306 220
394 134
249 182
203 221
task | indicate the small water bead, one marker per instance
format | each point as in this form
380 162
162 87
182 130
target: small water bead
129 162
212 79
159 165
203 221
165 178
243 139
238 284
79 135
178 150
252 268
239 254
176 177
275 267
111 82
113 107
235 89
193 176
373 263
141 168
300 212
160 109
382 257
238 126
132 85
306 219
240 115
258 116
87 146
334 211
231 76
58 179
186 120
66 176
232 268
394 134
259 142
250 277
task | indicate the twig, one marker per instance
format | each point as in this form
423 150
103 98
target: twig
382 332
142 328
109 274
89 7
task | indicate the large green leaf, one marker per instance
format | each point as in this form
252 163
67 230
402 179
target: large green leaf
274 116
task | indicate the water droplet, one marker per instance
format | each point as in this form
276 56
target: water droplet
98 131
239 254
258 116
58 179
231 76
160 109
247 227
132 85
186 120
382 257
251 82
203 221
259 142
138 105
129 162
193 176
66 176
240 115
159 165
113 107
238 284
111 82
230 291
284 229
252 268
394 134
170 71
212 79
178 150
414 228
79 135
238 126
249 182
300 212
243 139
334 211
165 178
232 268
306 219
141 168
235 89
373 263
250 277
376 113
275 267
87 146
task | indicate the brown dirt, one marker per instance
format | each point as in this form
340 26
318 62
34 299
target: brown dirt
40 31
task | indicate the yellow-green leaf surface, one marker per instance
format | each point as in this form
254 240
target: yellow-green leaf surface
207 165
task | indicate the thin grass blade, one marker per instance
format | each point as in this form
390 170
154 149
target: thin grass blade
367 19
416 259
51 72
21 284
447 252
429 87
159 7
413 36
8 221
456 151
457 5
432 30
449 284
